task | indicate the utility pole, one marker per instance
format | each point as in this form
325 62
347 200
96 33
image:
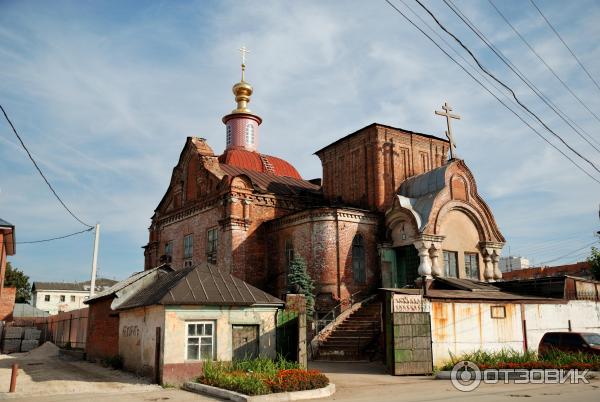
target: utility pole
94 260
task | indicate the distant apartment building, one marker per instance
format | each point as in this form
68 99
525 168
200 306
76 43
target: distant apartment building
512 263
54 297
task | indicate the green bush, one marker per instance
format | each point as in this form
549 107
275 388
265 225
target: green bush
509 358
221 375
261 376
263 365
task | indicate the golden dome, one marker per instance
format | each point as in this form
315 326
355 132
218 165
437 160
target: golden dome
242 91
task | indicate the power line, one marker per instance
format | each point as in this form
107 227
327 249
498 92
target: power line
515 70
490 92
570 253
565 43
55 238
40 170
564 84
506 87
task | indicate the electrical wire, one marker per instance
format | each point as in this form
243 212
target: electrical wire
490 92
507 88
565 43
570 253
564 84
40 170
456 10
55 238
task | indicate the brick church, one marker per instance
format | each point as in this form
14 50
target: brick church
389 209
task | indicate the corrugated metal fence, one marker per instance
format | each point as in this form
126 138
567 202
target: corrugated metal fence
66 329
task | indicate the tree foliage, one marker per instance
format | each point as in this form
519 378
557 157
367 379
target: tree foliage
594 260
299 281
16 278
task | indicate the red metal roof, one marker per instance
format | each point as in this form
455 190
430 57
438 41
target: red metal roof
258 162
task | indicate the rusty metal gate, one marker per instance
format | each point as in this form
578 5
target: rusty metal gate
412 343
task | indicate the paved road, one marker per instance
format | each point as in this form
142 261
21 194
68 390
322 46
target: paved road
365 382
368 382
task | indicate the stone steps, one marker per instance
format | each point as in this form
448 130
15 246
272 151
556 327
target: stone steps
354 338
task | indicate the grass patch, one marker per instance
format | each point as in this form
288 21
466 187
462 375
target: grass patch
261 376
512 359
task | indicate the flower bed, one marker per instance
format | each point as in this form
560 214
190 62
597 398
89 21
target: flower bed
510 359
261 376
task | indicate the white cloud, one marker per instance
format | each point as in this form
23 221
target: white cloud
106 101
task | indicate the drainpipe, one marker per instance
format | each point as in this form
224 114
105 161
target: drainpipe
337 254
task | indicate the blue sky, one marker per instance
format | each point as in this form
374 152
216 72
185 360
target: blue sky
105 93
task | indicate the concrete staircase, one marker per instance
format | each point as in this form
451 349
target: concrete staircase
355 338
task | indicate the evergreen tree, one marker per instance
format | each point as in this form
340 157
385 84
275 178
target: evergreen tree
299 281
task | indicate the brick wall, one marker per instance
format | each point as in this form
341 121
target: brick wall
580 269
366 168
7 303
323 238
102 331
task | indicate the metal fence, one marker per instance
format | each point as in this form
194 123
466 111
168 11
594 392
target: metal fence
66 329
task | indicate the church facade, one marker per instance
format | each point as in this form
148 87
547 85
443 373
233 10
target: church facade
390 208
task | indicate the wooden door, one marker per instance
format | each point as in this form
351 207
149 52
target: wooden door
245 341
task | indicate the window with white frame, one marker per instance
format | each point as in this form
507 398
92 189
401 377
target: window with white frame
200 340
249 133
47 298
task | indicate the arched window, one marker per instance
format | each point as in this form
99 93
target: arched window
228 134
249 133
358 259
289 254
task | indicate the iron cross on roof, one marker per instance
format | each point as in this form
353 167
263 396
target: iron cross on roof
243 51
446 113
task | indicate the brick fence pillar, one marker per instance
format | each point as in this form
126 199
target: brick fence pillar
297 303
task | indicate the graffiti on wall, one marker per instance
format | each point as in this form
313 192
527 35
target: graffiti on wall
132 330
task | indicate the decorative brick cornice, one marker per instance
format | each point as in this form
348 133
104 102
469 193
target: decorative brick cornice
324 214
234 223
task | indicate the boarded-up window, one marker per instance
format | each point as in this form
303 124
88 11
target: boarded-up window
358 259
498 311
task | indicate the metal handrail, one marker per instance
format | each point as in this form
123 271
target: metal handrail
324 321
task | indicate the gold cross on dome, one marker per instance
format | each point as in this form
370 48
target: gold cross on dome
243 51
446 113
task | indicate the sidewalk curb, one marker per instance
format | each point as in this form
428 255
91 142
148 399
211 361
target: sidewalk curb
280 396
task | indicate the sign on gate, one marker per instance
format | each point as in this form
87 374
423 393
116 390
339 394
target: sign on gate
402 303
